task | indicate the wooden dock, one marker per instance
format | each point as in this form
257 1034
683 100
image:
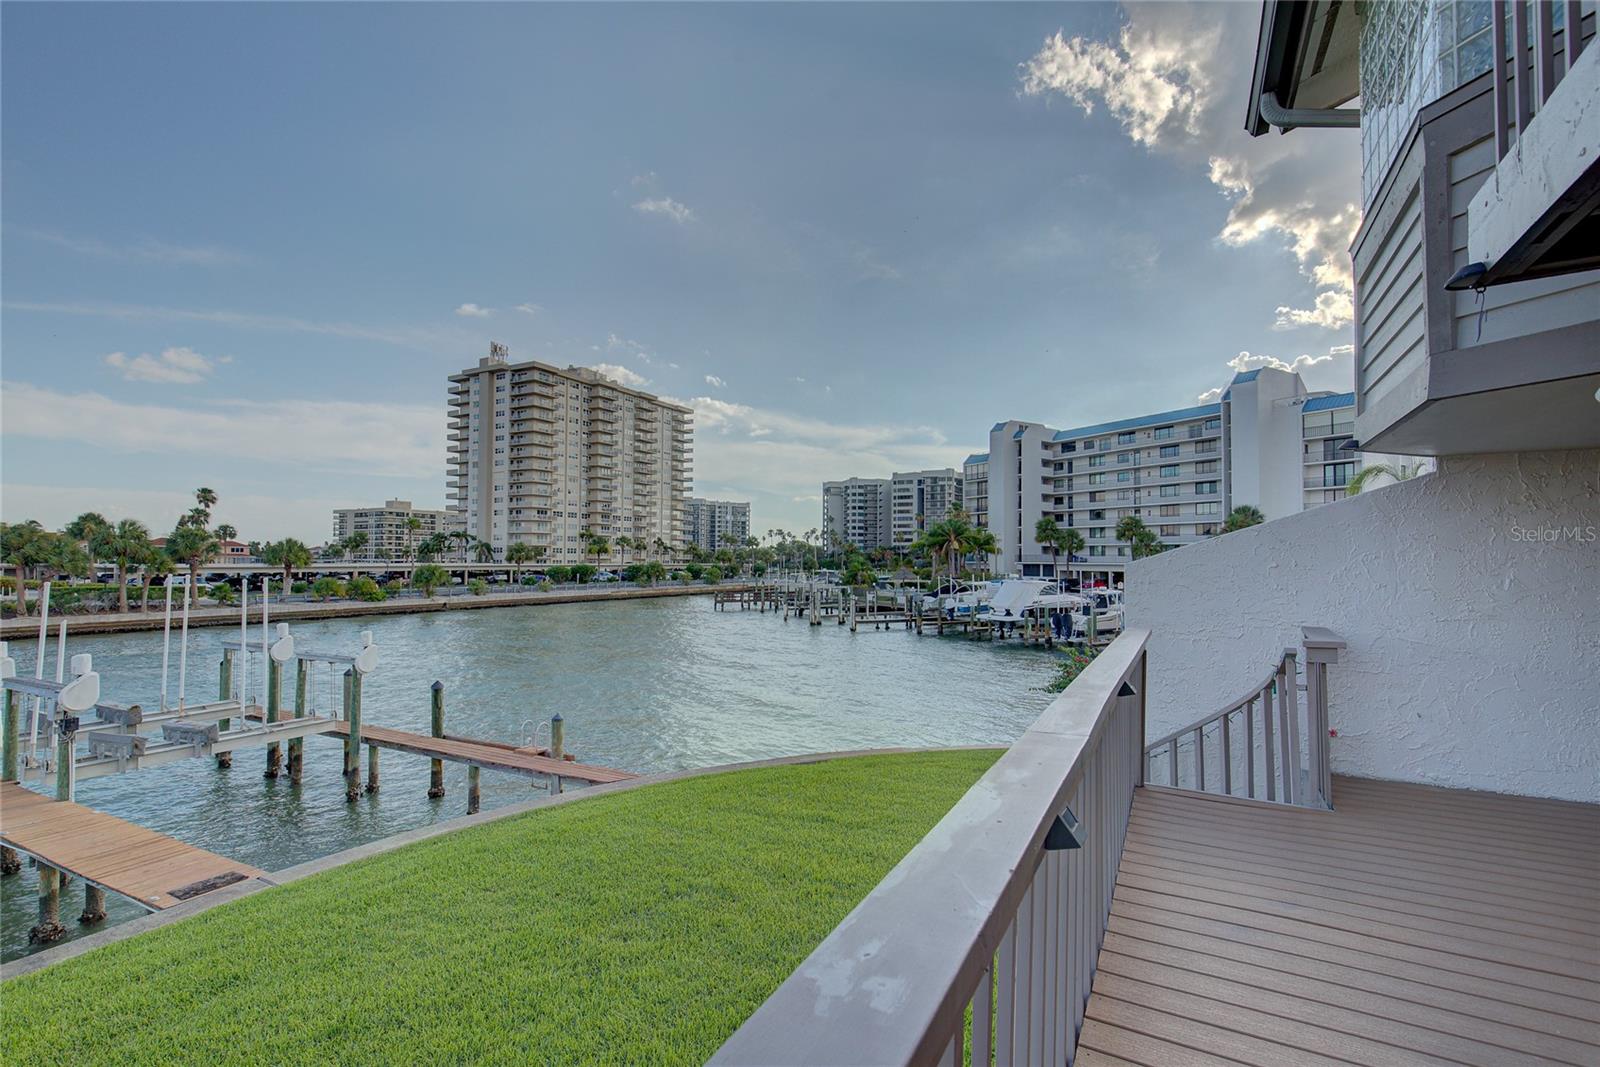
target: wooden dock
1409 925
157 871
488 755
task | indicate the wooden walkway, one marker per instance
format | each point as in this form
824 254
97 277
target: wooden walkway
152 869
1411 925
490 756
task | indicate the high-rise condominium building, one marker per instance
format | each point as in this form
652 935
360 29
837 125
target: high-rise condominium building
856 511
917 499
714 524
539 454
388 528
975 487
1178 471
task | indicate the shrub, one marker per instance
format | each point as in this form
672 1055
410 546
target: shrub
713 575
558 574
222 593
299 587
583 572
394 586
1073 661
327 587
428 578
680 576
695 570
366 589
478 586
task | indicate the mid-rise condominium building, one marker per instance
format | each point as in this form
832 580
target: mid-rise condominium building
714 524
975 487
856 511
917 499
1179 471
388 528
539 454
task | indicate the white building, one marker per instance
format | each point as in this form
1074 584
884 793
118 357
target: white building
1181 472
917 499
539 454
389 534
714 524
975 487
856 511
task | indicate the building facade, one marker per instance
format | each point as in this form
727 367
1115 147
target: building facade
539 454
856 511
389 535
975 487
917 499
1180 472
714 524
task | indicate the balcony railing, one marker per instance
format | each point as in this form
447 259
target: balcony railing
1000 909
1522 86
1252 748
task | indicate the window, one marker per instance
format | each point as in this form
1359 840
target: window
1124 476
1206 529
1169 471
1203 488
1097 461
1208 507
1169 490
1206 466
1097 479
1125 438
1164 433
1168 531
1169 511
1097 516
1097 532
1169 451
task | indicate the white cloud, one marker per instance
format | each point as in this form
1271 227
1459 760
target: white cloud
1245 361
664 205
332 436
1210 396
715 382
1149 85
1335 370
1174 88
410 337
144 251
620 374
528 308
174 366
473 311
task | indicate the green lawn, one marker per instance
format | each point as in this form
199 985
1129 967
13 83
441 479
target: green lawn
636 928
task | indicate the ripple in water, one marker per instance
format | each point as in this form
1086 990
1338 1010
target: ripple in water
645 685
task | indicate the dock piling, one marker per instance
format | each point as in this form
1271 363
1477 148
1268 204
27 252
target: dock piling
372 768
558 736
297 745
269 714
49 928
473 795
436 768
352 741
224 691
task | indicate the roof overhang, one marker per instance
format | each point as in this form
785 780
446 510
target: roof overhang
1306 65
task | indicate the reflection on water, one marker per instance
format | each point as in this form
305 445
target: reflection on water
645 685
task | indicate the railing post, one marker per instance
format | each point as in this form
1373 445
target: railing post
1289 695
1321 648
1544 43
1268 740
1502 113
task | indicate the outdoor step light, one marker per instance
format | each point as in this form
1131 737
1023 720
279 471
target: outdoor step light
1065 832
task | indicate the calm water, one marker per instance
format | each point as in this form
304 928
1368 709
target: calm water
647 685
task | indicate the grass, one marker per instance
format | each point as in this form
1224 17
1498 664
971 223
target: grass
641 927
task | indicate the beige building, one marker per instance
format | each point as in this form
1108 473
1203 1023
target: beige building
539 454
389 535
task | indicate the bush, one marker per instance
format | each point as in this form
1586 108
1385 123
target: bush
222 593
680 576
1073 661
394 586
366 589
428 578
713 575
478 586
583 572
558 574
299 587
695 570
326 588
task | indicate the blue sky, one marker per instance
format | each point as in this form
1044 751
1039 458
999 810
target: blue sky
244 245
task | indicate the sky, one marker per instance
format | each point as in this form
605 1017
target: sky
243 246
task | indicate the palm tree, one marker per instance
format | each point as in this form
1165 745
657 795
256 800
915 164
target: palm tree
127 544
192 546
483 551
289 554
1399 472
1131 528
947 539
1048 534
983 542
413 524
624 542
226 533
518 553
158 565
1072 542
205 500
1243 517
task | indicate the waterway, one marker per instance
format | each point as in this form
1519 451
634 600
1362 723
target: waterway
644 685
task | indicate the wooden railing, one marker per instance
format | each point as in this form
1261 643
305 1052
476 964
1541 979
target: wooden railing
980 946
1522 85
1253 746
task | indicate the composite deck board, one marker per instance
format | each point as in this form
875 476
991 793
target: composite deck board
492 756
107 851
1411 925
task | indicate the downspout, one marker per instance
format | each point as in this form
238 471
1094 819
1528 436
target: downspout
1289 118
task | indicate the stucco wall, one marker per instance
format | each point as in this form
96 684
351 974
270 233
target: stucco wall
1470 599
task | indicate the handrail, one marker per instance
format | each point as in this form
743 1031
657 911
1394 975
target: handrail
1001 908
1269 715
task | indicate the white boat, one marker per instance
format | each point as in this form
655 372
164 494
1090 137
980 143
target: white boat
961 599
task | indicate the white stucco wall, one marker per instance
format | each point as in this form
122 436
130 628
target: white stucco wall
1470 599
